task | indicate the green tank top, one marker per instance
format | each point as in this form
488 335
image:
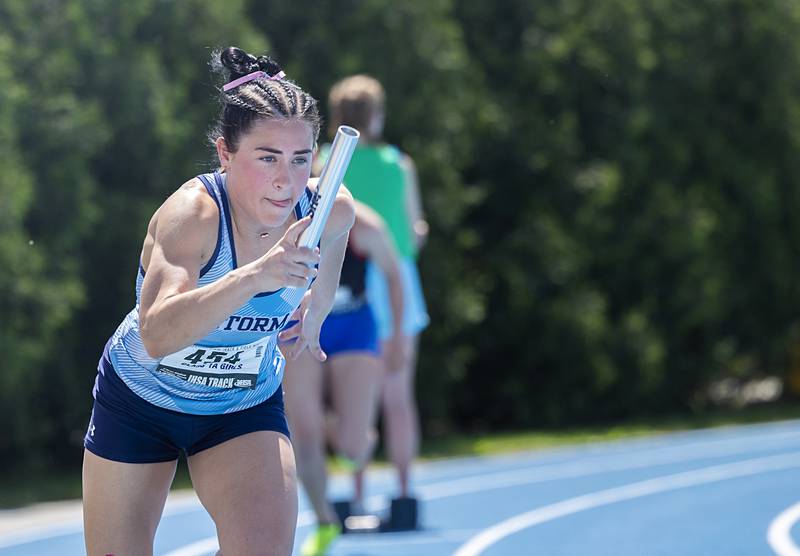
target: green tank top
376 178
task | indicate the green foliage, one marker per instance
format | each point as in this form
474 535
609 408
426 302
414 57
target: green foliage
107 110
48 186
648 246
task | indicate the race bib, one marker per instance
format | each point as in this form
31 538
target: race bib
221 366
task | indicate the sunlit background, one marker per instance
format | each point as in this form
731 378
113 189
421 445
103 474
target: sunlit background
612 189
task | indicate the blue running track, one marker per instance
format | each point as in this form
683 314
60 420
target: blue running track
731 491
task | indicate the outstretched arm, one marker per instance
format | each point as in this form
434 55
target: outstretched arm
370 237
318 301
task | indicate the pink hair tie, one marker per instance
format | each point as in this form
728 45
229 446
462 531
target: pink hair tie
250 76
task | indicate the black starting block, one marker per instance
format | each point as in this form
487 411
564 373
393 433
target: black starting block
403 515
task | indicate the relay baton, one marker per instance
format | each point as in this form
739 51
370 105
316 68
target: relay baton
344 143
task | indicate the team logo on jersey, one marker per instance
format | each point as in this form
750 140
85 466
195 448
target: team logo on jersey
255 324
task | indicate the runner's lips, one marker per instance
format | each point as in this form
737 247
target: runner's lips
282 203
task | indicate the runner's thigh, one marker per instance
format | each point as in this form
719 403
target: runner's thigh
122 504
249 486
303 396
355 389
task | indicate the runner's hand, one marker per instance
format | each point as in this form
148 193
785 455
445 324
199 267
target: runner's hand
286 265
304 334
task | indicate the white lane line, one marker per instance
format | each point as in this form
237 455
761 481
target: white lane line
72 527
663 441
779 534
544 473
499 531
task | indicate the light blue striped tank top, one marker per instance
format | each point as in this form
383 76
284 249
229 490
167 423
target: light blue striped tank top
236 366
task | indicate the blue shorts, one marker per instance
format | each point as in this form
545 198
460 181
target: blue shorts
126 428
350 331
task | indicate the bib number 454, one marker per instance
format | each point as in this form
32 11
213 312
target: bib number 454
212 356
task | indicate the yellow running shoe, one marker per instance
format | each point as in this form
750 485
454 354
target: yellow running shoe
318 542
346 464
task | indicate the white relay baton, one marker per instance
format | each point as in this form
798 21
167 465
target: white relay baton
344 143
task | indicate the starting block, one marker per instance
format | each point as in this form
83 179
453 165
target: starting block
403 515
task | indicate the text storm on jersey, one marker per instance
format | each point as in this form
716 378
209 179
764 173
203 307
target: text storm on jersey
255 324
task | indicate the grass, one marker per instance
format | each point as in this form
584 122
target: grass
497 443
26 489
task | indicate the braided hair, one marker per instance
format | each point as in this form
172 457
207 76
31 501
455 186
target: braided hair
260 98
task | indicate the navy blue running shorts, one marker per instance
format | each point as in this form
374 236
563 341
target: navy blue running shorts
126 428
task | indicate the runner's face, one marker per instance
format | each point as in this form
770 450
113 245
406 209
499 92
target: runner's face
270 170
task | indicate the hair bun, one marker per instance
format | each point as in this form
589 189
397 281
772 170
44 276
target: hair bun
267 64
238 62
